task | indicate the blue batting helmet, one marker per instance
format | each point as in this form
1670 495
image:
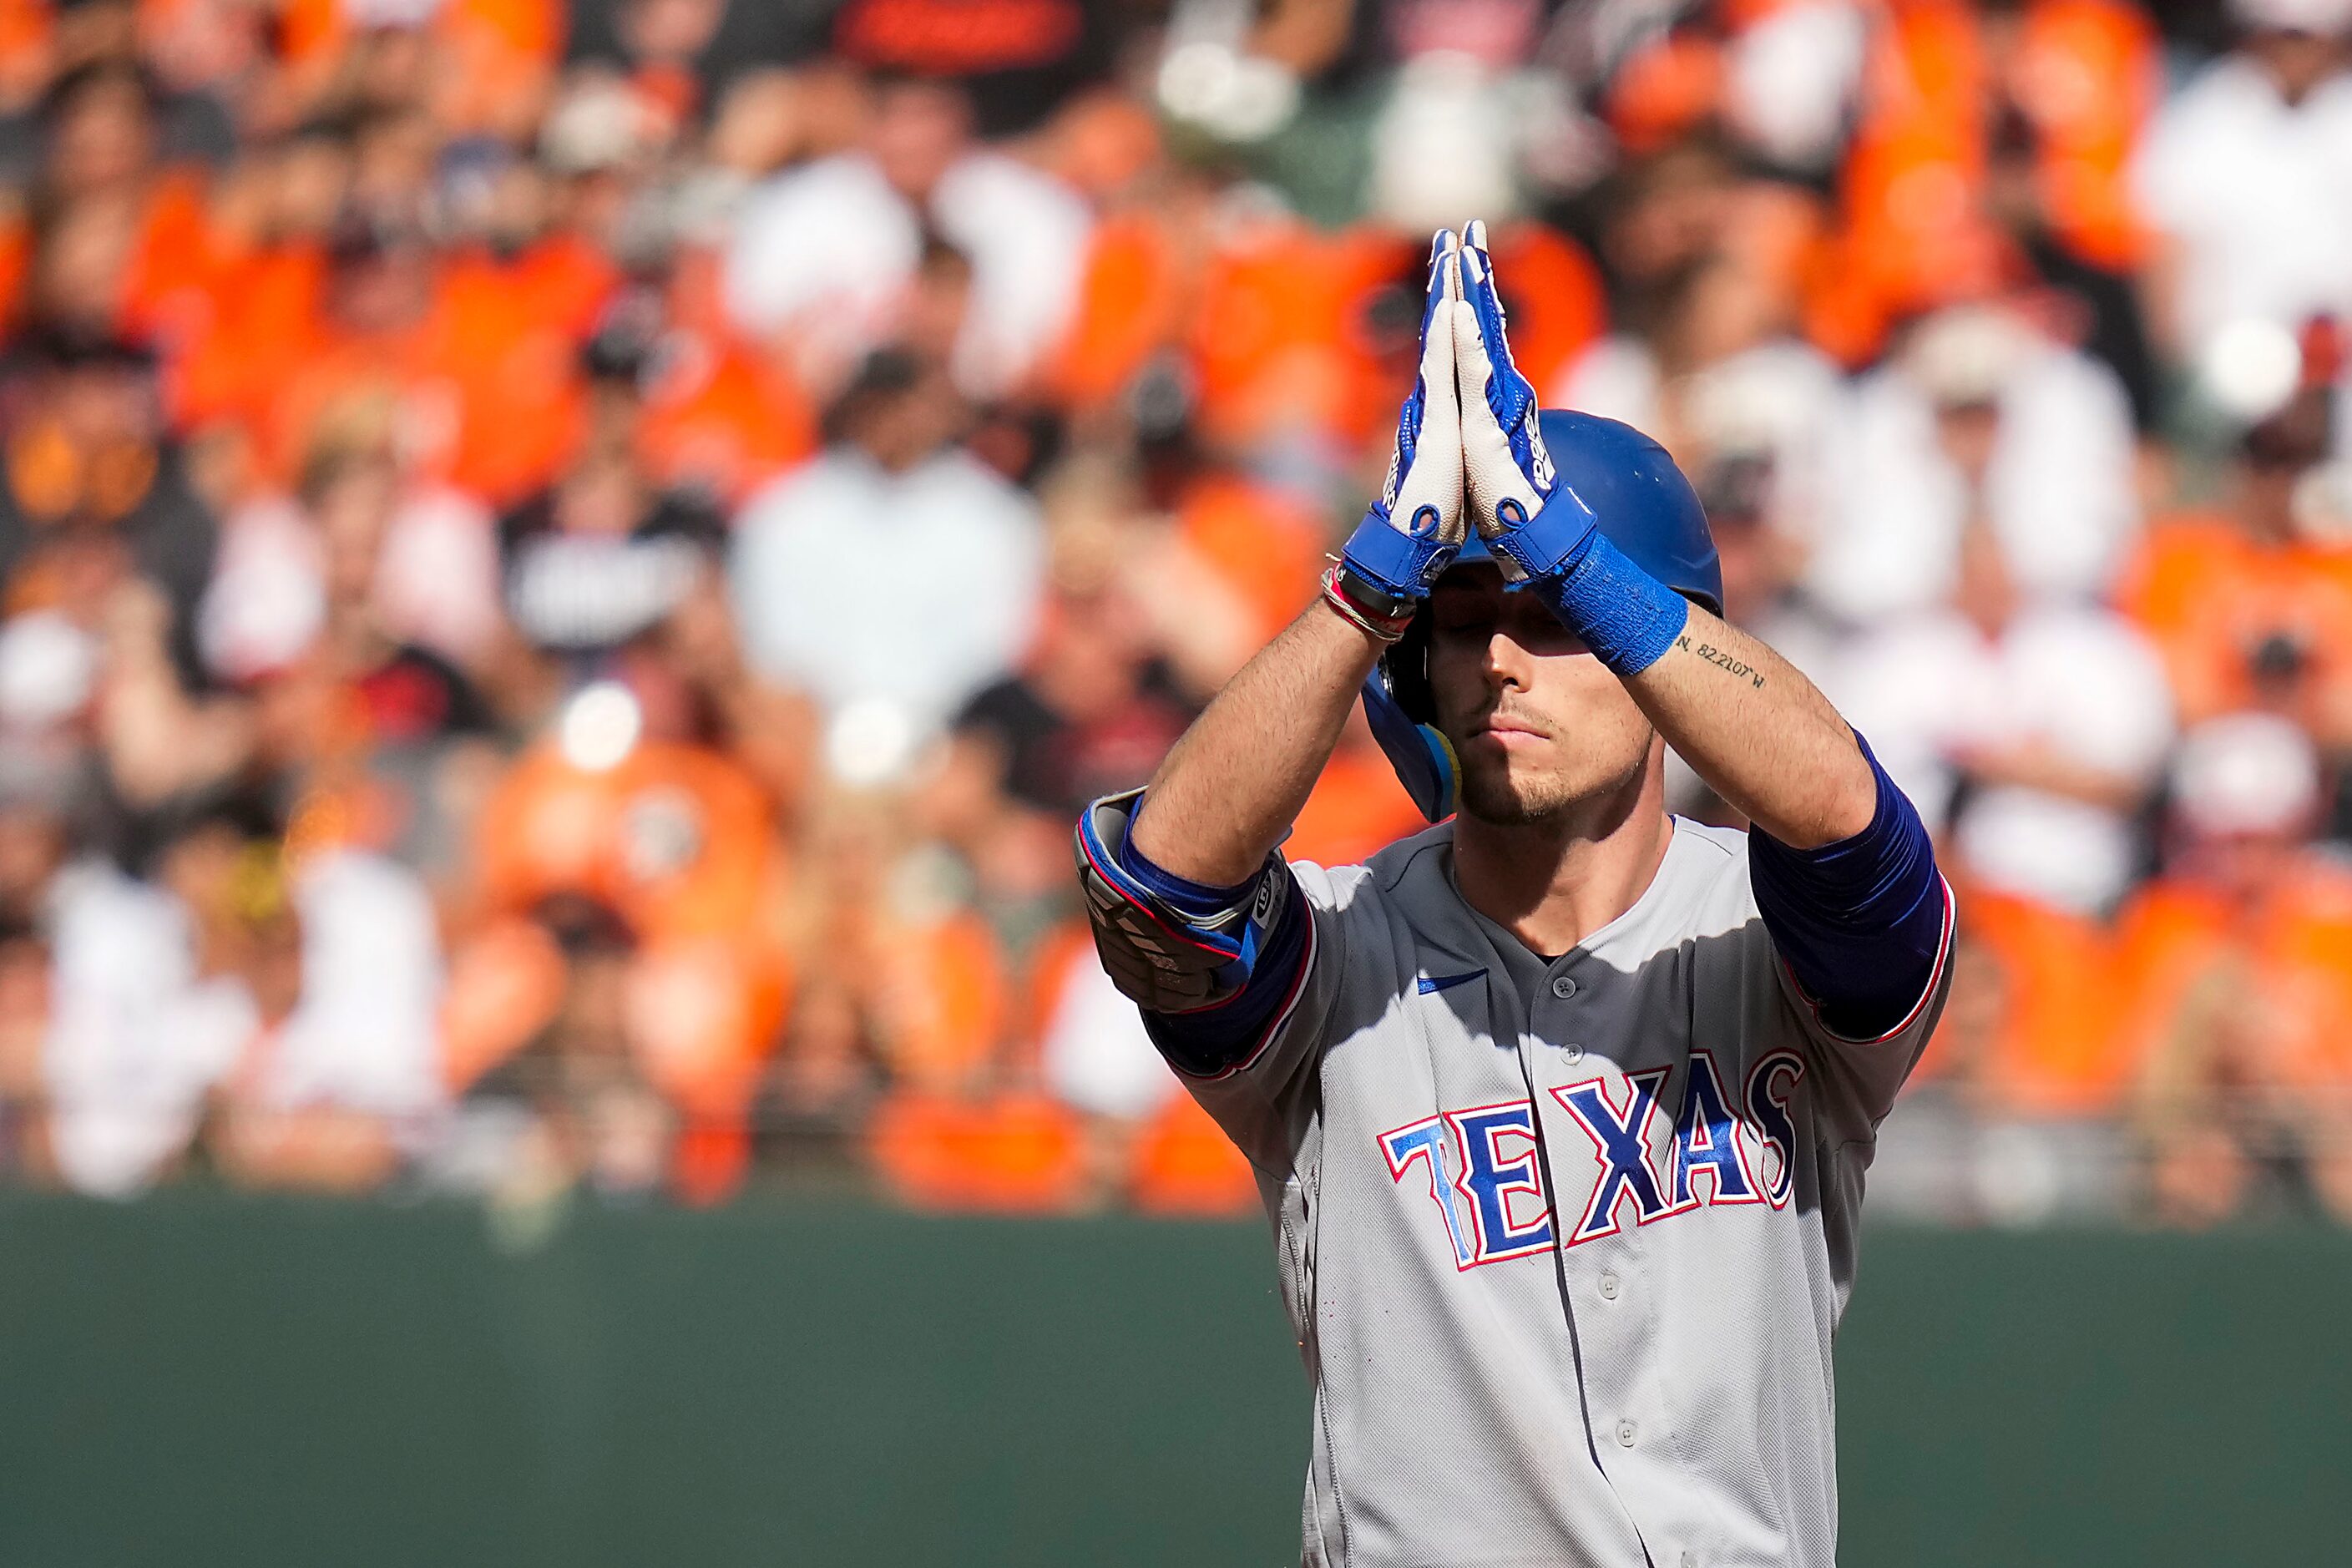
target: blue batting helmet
1644 507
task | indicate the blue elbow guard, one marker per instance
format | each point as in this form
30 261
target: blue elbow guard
1163 957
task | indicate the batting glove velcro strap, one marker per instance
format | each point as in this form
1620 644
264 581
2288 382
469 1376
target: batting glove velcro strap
1552 543
1411 532
1161 958
1400 565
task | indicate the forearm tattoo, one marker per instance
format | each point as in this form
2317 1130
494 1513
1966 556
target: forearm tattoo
1716 656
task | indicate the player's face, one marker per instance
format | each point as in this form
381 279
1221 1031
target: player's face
1540 725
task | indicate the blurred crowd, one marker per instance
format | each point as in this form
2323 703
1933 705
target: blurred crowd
564 569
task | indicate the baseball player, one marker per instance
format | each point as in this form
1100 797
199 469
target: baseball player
1561 1108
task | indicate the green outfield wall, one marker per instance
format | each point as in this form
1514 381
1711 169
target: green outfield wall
199 1380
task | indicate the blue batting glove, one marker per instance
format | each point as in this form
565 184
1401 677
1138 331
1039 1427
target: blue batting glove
1411 534
1508 479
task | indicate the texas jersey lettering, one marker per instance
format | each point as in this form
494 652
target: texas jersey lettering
1480 1161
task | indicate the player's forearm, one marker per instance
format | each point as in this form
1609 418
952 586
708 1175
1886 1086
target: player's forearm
1232 785
1757 731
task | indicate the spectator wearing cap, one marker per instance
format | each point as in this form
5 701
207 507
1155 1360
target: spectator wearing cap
2246 176
2237 966
604 555
1721 374
1982 419
891 576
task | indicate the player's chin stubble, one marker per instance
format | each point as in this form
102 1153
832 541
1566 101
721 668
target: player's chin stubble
1497 791
1493 795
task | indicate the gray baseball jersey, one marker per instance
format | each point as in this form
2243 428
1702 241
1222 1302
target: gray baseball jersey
1563 1241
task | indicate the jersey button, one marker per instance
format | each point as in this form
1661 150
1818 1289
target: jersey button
1564 987
1575 1052
1626 1434
1608 1287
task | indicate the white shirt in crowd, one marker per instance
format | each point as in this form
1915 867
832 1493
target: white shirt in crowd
365 1033
436 584
827 250
2258 193
138 1039
896 595
2060 490
1096 1056
2075 678
135 1042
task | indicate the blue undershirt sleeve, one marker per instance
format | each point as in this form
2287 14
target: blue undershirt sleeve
1215 1039
1862 923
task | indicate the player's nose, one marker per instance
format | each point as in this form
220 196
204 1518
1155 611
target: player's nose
1507 663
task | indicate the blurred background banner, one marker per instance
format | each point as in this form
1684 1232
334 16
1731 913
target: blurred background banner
564 569
201 1380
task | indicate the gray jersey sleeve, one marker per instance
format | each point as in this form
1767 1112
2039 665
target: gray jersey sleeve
1264 1103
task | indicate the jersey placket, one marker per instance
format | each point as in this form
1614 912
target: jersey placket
1604 1274
1608 1320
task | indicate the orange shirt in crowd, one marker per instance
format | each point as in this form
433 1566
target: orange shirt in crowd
1269 314
175 263
495 55
560 282
486 387
2053 1048
1266 547
2210 596
1357 809
172 263
1019 1152
949 1000
2085 73
261 322
25 55
1182 1164
2297 940
677 840
719 417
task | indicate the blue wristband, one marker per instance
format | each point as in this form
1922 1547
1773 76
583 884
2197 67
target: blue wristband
1627 618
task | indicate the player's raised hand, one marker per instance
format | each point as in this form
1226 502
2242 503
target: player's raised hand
1507 472
1411 534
